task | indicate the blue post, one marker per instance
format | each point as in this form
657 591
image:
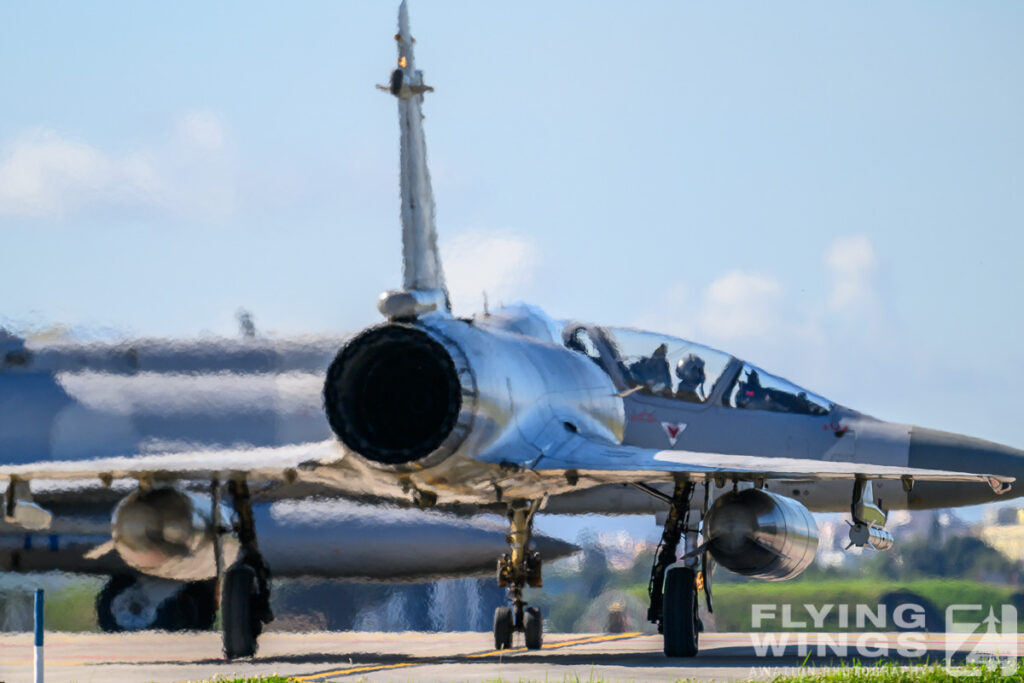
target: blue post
39 635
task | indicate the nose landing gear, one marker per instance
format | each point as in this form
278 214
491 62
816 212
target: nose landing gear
674 586
517 569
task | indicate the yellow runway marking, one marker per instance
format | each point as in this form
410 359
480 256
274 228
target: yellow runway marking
357 670
476 655
555 646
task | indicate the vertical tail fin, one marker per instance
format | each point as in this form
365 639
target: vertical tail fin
422 272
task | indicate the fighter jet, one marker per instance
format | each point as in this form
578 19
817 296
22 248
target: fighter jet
514 410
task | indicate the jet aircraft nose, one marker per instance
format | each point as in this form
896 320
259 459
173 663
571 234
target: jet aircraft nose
937 450
551 548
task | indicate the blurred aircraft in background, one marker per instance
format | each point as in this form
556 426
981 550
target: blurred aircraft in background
60 400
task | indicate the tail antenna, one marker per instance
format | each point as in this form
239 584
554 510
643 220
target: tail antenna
423 277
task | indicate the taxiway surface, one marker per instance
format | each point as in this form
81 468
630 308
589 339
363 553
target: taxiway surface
352 656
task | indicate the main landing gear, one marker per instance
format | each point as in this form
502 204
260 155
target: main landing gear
517 569
674 586
245 585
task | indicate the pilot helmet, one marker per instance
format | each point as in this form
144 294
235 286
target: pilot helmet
691 369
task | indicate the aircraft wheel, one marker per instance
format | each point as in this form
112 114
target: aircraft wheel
533 627
239 614
198 605
125 604
124 615
503 628
680 612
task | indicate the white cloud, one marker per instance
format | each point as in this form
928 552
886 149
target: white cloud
852 265
203 129
741 304
46 175
752 306
843 340
753 315
500 264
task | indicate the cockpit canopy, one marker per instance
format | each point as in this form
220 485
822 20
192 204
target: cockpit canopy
754 388
660 365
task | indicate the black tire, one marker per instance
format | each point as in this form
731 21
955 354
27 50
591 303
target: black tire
174 613
503 628
680 612
111 589
198 605
169 615
533 628
239 617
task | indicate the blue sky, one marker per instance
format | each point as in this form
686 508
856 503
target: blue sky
831 190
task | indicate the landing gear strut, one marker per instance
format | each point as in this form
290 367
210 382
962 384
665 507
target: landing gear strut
245 586
517 569
674 586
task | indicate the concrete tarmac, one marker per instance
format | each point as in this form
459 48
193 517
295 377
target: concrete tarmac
353 656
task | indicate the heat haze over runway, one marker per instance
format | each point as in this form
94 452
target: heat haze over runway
353 656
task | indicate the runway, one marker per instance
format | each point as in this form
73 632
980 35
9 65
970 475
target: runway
353 656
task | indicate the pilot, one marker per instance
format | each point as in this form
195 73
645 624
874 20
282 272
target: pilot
573 342
750 394
12 350
652 373
690 371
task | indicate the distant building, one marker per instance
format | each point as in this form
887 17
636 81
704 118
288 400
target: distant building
1004 531
621 549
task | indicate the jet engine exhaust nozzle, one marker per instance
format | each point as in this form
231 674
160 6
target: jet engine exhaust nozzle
394 395
761 534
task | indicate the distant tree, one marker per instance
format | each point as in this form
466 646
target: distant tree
965 557
935 530
565 611
594 569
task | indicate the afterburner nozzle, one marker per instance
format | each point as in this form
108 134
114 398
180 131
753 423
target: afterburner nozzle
395 395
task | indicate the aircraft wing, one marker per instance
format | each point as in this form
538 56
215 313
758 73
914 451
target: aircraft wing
613 463
258 464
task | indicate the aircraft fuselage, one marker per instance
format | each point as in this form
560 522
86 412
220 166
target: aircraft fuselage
77 402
